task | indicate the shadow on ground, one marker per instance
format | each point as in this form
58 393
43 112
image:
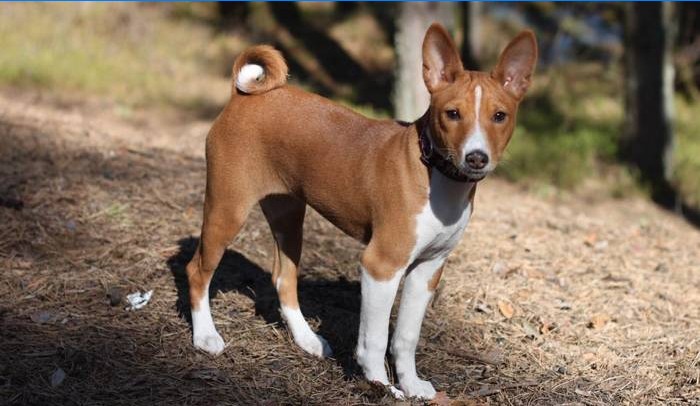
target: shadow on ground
81 223
108 363
335 303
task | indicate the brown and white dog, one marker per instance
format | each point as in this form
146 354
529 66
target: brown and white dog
406 191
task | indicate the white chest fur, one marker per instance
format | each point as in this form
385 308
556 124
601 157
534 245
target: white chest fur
441 223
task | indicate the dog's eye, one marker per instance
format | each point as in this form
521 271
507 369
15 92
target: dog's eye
499 117
452 114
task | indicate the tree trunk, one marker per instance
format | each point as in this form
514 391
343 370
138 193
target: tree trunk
410 98
648 141
233 13
471 31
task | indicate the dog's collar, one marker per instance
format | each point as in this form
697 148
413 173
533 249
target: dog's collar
433 159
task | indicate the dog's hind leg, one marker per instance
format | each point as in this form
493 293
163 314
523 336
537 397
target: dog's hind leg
285 214
223 219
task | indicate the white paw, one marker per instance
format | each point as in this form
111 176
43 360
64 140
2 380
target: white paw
314 344
398 395
418 388
211 343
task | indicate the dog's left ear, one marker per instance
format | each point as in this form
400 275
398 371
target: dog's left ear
441 62
516 64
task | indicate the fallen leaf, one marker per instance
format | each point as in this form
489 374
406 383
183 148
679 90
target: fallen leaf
591 239
57 377
506 309
440 399
598 321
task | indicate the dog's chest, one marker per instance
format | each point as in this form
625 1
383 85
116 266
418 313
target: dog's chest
441 223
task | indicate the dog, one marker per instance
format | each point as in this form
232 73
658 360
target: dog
405 190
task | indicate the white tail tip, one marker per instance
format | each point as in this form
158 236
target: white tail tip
248 73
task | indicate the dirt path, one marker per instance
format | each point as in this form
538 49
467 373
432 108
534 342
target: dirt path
566 300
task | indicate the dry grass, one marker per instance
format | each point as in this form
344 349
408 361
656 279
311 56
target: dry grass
687 154
605 294
137 54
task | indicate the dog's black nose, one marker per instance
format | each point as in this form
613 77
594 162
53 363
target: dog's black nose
477 160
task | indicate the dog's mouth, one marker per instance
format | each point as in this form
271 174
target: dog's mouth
475 176
466 174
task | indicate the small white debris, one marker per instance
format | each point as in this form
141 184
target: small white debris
499 268
41 317
57 377
138 300
601 245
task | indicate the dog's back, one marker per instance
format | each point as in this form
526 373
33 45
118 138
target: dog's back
281 139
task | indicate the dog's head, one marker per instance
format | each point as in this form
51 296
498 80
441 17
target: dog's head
472 114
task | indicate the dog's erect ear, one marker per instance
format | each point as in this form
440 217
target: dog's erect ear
441 62
516 64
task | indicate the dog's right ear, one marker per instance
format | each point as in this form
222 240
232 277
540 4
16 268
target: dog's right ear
516 64
441 62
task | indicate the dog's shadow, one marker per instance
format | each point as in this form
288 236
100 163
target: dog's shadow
335 303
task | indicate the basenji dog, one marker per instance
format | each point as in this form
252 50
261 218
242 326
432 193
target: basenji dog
405 190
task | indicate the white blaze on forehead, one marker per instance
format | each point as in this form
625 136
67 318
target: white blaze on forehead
477 102
476 139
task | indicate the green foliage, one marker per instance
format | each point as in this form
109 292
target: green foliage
571 124
564 131
134 55
686 173
562 158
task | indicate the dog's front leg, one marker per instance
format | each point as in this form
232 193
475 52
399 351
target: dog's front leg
379 283
418 288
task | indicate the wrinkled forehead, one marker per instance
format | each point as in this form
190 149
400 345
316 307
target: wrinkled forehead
464 91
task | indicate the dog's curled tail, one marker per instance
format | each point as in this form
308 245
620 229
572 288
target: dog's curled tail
259 69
